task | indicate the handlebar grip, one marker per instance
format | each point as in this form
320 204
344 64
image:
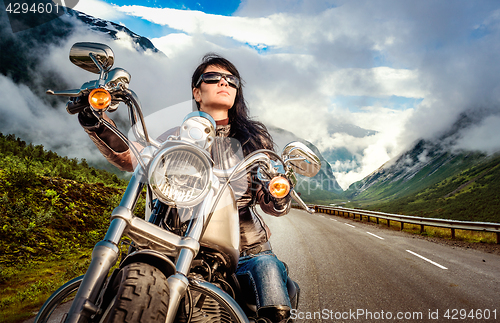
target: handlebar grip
77 104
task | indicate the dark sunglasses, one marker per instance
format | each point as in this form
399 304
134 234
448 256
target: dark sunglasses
215 77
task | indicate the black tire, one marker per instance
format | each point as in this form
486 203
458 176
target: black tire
142 295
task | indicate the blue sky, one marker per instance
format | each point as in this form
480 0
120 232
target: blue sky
150 30
219 7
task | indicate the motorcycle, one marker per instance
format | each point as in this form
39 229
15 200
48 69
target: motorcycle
182 257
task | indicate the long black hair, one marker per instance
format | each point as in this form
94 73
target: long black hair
251 134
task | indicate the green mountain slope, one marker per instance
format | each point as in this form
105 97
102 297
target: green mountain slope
424 165
50 202
471 195
52 211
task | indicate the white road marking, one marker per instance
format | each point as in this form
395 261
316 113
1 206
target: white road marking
432 262
376 236
333 219
349 225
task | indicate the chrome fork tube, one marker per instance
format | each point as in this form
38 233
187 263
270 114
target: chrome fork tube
104 256
134 189
178 283
186 256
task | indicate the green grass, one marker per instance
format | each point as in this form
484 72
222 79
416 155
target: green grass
53 210
26 285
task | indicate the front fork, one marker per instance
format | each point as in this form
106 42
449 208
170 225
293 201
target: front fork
104 256
106 252
178 283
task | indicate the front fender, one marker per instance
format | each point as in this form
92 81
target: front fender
153 258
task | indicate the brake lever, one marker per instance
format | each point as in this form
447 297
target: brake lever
76 92
70 93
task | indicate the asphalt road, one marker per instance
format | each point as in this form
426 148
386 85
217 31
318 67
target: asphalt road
351 271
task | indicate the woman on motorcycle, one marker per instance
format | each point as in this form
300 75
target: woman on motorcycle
217 90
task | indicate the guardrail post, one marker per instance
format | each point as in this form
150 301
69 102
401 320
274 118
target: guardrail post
421 228
452 233
388 223
402 226
378 220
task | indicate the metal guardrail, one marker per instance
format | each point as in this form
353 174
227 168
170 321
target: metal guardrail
431 222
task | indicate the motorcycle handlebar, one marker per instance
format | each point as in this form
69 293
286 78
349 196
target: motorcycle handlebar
77 104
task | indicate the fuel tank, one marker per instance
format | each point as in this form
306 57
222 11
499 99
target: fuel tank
223 231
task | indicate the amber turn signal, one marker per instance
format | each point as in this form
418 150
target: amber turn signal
279 187
99 99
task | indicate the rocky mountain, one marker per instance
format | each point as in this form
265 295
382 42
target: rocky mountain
24 70
112 29
426 163
20 54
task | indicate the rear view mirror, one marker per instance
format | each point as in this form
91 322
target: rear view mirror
301 158
92 57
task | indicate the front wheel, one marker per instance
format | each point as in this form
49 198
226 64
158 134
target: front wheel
59 303
142 295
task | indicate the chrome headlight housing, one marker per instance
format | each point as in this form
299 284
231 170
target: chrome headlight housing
181 175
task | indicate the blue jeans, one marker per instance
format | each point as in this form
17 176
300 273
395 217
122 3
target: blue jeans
264 276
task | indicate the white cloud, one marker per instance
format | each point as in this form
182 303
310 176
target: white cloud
483 137
370 151
374 82
41 124
173 44
99 9
265 30
32 120
319 50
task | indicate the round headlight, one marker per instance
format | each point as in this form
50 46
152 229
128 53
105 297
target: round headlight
180 175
